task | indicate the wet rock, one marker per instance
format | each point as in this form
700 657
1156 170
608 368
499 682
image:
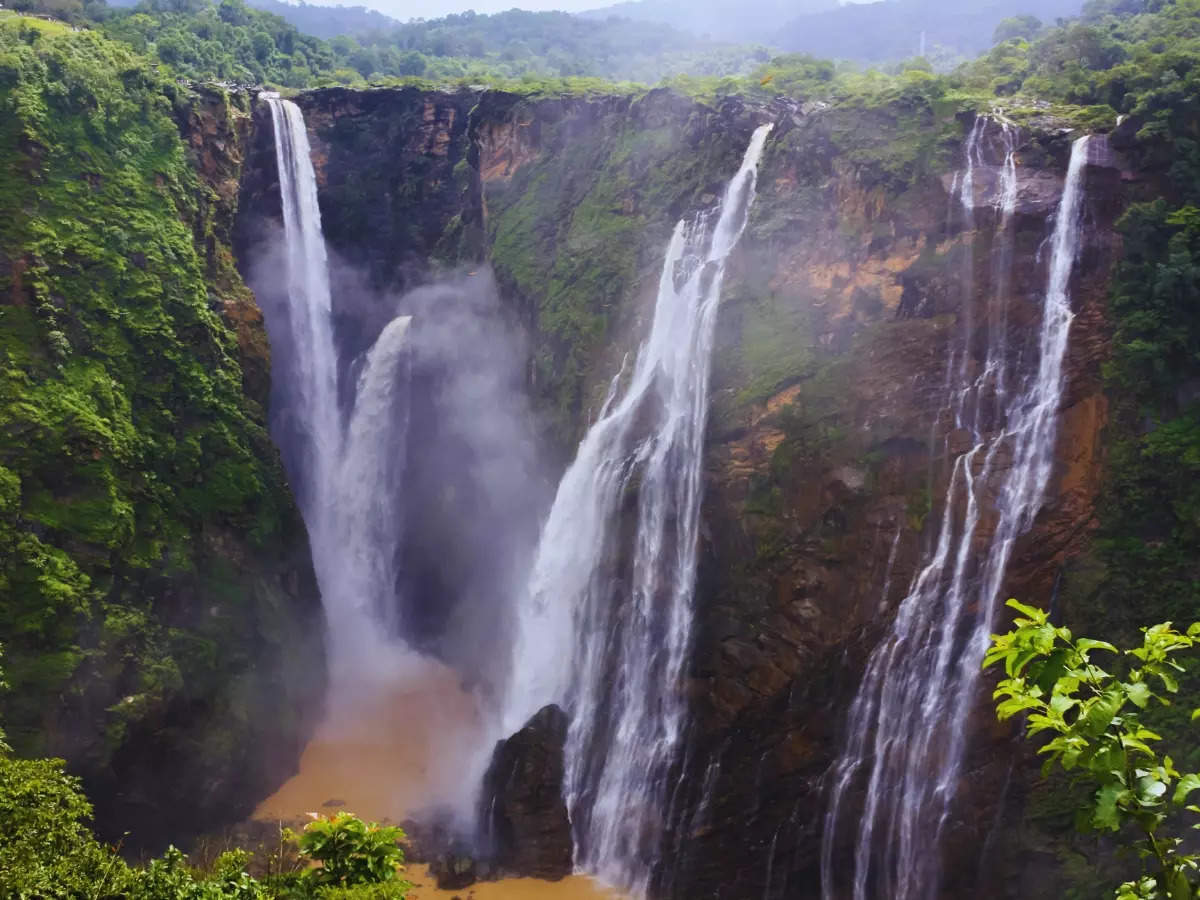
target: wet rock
435 838
454 871
522 805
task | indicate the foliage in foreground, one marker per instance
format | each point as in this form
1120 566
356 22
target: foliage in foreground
47 850
1094 719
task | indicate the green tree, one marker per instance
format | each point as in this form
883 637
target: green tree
351 851
1094 721
1023 27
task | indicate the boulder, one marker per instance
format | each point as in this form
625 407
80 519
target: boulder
523 812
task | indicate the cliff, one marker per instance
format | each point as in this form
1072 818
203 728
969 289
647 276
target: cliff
159 614
827 453
156 597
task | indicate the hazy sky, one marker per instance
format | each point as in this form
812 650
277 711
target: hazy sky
428 9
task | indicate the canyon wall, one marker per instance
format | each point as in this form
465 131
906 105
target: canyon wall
827 455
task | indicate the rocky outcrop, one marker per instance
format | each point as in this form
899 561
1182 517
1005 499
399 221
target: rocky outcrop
216 127
522 810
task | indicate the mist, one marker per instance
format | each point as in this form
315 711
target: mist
422 535
475 489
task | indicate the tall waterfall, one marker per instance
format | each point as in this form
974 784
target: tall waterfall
605 626
350 468
313 379
907 725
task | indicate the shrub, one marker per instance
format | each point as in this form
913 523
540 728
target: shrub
350 851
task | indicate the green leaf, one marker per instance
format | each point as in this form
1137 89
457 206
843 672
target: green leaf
1106 815
1087 644
1037 616
1187 784
1178 887
1101 711
1138 693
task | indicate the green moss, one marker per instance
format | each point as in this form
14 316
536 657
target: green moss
582 228
125 436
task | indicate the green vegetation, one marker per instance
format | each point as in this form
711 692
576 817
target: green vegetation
350 852
48 851
1094 720
626 181
231 41
1149 525
144 516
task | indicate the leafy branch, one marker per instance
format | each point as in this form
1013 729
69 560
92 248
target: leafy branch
1093 718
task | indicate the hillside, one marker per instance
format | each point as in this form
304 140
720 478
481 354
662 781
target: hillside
869 33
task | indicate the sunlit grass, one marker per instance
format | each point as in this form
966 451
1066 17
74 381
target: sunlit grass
9 18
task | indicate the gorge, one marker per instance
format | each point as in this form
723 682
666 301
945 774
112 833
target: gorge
608 482
979 429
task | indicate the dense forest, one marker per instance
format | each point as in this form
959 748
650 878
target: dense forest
235 42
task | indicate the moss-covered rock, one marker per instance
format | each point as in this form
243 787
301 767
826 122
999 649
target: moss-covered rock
158 609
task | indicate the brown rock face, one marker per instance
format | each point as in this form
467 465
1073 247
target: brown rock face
825 492
522 807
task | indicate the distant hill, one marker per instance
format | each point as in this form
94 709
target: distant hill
727 20
881 32
327 21
863 32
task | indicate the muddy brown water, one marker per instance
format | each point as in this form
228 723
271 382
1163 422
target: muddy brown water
389 756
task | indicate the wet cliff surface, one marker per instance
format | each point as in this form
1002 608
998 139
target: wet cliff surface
827 454
160 619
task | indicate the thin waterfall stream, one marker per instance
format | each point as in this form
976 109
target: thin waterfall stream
605 627
906 728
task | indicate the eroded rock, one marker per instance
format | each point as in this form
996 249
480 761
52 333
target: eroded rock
522 807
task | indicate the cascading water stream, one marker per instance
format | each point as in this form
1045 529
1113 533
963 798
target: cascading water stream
605 626
313 379
907 726
368 518
350 469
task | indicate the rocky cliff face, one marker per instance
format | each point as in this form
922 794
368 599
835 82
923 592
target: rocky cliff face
160 618
827 455
826 484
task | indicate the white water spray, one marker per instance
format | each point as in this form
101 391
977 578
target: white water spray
605 627
907 725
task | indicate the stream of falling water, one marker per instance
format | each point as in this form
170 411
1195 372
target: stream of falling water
387 747
605 626
906 728
352 464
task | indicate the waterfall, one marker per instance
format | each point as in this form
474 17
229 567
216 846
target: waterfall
349 469
605 626
313 380
907 726
368 517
